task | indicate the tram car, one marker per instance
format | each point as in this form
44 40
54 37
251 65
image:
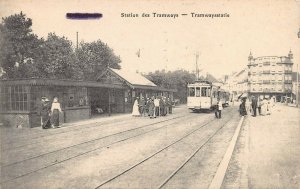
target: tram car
204 95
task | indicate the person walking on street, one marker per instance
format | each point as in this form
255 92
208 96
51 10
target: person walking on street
259 105
55 109
254 105
218 110
264 104
243 110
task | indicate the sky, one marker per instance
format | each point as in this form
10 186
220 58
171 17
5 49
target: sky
267 28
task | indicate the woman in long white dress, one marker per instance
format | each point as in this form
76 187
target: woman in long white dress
135 108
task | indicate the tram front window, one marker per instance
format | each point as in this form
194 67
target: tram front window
191 91
205 91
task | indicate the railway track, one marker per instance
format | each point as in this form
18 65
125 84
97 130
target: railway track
165 148
91 150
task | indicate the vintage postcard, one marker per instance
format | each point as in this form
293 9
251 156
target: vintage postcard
149 94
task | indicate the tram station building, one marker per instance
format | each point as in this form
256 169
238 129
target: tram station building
113 92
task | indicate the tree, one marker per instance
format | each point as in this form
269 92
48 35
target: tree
95 57
57 58
173 80
18 46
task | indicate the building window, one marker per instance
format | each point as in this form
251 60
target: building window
14 98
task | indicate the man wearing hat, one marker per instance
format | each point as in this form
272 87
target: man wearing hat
44 112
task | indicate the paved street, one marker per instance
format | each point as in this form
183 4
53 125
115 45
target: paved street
267 152
120 152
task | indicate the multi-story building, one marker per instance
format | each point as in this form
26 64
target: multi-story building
270 76
237 83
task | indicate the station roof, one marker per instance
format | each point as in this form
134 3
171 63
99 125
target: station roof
59 82
121 79
133 78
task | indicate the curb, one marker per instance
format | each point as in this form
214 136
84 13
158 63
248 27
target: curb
220 174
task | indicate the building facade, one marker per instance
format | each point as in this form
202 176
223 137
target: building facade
270 76
237 83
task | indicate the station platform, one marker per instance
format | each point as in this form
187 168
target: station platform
267 152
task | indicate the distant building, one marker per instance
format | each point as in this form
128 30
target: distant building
295 91
237 83
270 76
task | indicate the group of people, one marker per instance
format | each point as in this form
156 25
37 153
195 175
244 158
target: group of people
152 107
251 106
49 113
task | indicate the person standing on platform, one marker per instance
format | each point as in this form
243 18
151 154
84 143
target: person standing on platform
44 112
156 109
151 108
248 105
259 105
135 108
243 110
142 106
269 106
55 109
147 107
254 105
264 105
166 106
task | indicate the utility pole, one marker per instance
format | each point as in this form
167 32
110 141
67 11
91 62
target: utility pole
77 40
109 90
297 83
197 69
297 88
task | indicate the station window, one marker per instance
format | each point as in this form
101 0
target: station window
14 98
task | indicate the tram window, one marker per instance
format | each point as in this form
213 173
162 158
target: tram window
208 92
197 91
204 91
191 91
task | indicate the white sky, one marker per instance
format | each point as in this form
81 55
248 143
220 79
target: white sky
268 28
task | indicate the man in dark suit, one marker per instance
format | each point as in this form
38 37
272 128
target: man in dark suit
254 105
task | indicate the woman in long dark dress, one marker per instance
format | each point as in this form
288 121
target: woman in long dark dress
242 109
55 109
151 108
